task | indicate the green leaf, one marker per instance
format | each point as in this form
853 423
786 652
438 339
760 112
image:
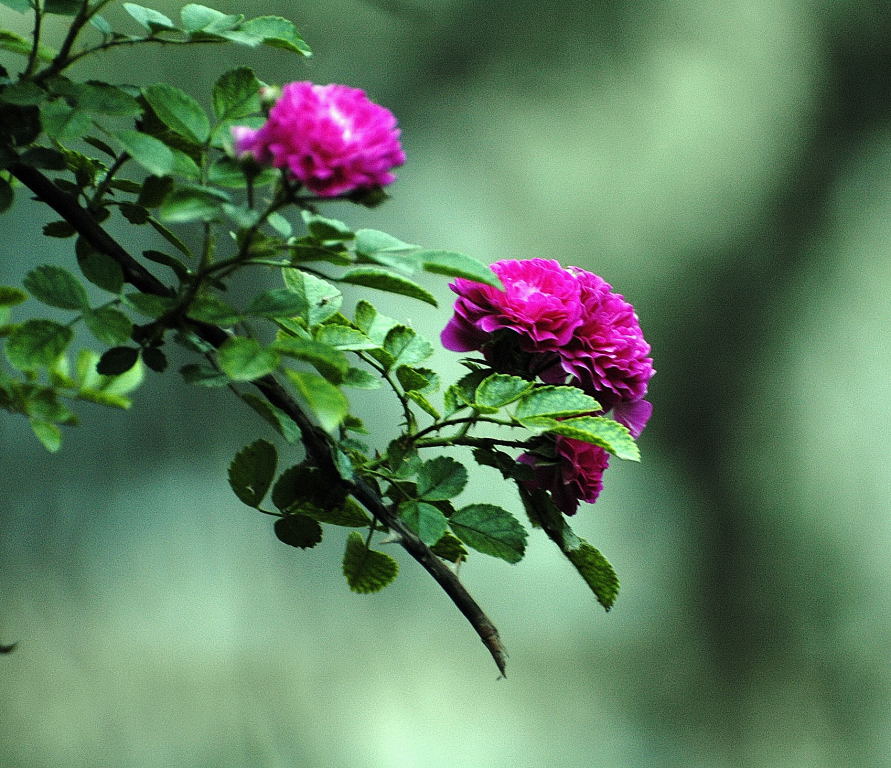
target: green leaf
326 230
361 379
440 479
151 153
149 304
344 338
109 325
382 280
6 195
499 389
62 7
236 94
101 23
278 302
365 569
192 203
597 572
423 402
276 32
99 268
450 548
22 6
298 531
244 359
100 98
56 286
326 401
63 122
200 18
277 418
384 249
555 401
252 470
457 265
419 379
322 300
48 434
117 360
149 18
171 238
608 434
11 41
372 323
37 344
208 308
425 520
10 297
178 111
331 363
490 530
406 347
203 376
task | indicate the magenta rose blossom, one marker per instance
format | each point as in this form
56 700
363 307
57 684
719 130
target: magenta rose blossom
331 138
540 303
576 473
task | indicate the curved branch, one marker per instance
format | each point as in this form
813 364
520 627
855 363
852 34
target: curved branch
317 443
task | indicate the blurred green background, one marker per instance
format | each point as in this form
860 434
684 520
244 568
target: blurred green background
727 166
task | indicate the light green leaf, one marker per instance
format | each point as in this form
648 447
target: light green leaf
109 325
48 434
344 338
204 376
236 94
243 359
151 153
382 280
440 479
384 249
200 18
361 379
322 300
608 434
208 308
276 32
62 122
372 323
419 399
56 286
326 230
15 43
178 111
277 418
406 347
252 470
150 19
425 520
457 265
365 569
597 572
500 389
37 344
331 363
22 6
490 530
298 531
555 401
191 203
327 403
278 302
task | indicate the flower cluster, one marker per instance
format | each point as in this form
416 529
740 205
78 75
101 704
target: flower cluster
565 326
331 138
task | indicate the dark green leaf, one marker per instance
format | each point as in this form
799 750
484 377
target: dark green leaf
555 401
151 153
153 191
331 363
244 359
457 265
179 269
37 344
171 238
490 530
99 268
21 93
425 520
450 548
6 195
155 359
276 32
361 379
44 157
236 94
327 402
278 302
62 7
597 572
56 286
10 296
117 360
419 379
608 434
402 458
191 203
58 229
326 230
441 478
277 418
149 18
382 280
203 376
62 122
421 400
178 111
252 470
365 569
109 325
208 308
149 304
499 389
298 531
100 98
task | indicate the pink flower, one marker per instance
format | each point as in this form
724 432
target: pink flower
574 474
331 138
539 304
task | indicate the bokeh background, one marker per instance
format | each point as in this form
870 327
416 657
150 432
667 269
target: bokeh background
727 166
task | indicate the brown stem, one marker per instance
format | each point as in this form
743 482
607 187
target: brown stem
317 443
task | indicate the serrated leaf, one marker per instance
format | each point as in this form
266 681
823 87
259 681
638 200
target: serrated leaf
372 323
252 470
278 302
322 300
490 530
193 203
55 286
151 153
500 389
200 18
597 572
152 20
361 379
327 403
208 308
326 230
406 347
277 418
244 359
298 531
386 250
420 399
331 363
555 401
276 32
425 520
367 570
109 325
344 338
455 264
450 548
441 478
100 98
608 434
178 111
63 122
99 268
37 344
382 280
236 93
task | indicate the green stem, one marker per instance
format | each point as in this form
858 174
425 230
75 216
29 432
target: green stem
469 421
106 181
35 45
